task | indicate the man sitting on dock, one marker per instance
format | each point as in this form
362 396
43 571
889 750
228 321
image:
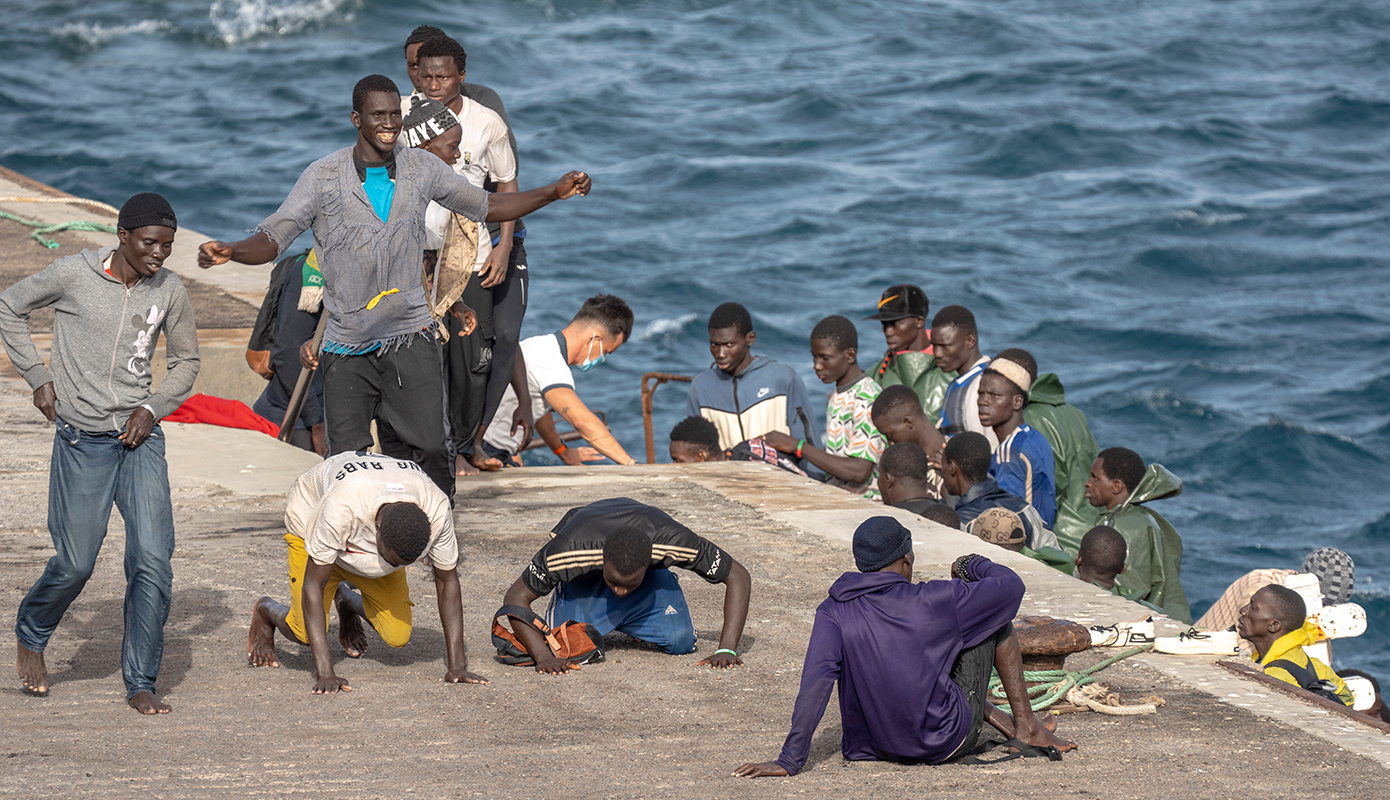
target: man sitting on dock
366 205
1022 463
956 343
744 395
694 440
965 470
903 480
112 305
910 360
898 415
354 522
1120 485
599 328
1273 621
912 660
609 566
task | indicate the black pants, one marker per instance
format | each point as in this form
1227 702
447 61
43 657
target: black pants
468 363
508 309
971 673
403 387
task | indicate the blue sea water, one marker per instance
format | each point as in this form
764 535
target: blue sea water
1181 208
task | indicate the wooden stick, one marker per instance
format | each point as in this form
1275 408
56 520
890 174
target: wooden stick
301 386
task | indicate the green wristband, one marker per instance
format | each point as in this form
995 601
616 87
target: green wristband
726 650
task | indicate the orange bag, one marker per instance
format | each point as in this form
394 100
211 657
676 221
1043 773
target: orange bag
575 642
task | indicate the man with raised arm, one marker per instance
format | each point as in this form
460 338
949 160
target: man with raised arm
609 566
366 206
112 304
353 523
912 660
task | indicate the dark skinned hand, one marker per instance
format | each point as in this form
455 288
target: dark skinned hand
210 254
555 666
137 428
46 401
331 685
573 183
720 661
766 769
463 676
308 359
524 419
494 269
780 442
467 318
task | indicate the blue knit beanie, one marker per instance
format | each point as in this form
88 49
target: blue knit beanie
879 541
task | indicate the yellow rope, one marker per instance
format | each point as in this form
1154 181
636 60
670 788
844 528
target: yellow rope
80 201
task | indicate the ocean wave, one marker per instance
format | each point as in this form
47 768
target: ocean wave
1278 460
238 21
665 327
91 35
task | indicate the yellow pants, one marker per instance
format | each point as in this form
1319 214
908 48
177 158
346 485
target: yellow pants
386 599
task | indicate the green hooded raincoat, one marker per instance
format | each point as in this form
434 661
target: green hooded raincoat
1073 450
917 370
1155 549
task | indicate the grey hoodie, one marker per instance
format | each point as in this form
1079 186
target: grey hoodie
103 336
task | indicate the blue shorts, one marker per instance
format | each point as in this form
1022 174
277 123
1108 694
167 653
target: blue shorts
654 612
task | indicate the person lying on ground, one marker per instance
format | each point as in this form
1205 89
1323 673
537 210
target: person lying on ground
600 327
903 480
965 471
910 360
1002 527
1120 485
899 417
912 660
744 395
609 565
852 443
956 342
353 522
1273 621
366 206
1022 463
1073 449
112 305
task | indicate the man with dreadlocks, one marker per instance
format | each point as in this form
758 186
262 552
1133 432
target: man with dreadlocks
366 205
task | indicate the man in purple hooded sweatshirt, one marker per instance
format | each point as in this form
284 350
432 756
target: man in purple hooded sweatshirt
913 660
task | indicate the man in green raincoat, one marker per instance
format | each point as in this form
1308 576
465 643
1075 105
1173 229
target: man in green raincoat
1119 485
909 361
1073 450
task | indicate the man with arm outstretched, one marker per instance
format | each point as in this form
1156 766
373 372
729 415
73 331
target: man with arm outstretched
366 206
609 566
353 522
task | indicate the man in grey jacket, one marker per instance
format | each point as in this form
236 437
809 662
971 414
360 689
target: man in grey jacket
111 305
366 206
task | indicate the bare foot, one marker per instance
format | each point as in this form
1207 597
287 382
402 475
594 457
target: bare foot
350 633
1037 734
33 673
260 639
462 468
147 703
484 462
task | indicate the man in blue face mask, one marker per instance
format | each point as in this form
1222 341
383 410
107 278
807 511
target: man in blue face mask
602 325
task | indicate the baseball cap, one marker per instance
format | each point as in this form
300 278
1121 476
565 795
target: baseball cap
902 300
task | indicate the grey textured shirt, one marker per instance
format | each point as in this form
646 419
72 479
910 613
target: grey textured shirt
363 257
103 337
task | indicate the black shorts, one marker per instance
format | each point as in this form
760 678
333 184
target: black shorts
971 673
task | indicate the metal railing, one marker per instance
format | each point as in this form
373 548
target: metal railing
647 392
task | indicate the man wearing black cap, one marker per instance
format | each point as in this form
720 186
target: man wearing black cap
111 306
910 360
912 660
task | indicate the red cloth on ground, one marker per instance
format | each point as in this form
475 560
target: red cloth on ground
211 410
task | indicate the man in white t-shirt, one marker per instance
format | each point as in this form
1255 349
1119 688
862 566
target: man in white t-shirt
485 154
354 521
602 325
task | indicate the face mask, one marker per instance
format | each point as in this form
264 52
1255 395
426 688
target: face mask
590 362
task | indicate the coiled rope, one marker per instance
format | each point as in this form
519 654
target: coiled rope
1056 684
42 228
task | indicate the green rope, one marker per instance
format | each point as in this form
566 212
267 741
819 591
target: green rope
1053 684
41 228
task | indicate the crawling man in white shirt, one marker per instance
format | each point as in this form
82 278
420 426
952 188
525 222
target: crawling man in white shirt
353 522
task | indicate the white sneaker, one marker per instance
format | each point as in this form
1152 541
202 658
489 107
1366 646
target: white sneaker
1195 642
1124 634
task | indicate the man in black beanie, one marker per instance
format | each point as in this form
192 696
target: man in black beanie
112 305
912 661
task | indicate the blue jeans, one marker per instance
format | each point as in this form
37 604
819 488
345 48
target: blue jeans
89 472
653 612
